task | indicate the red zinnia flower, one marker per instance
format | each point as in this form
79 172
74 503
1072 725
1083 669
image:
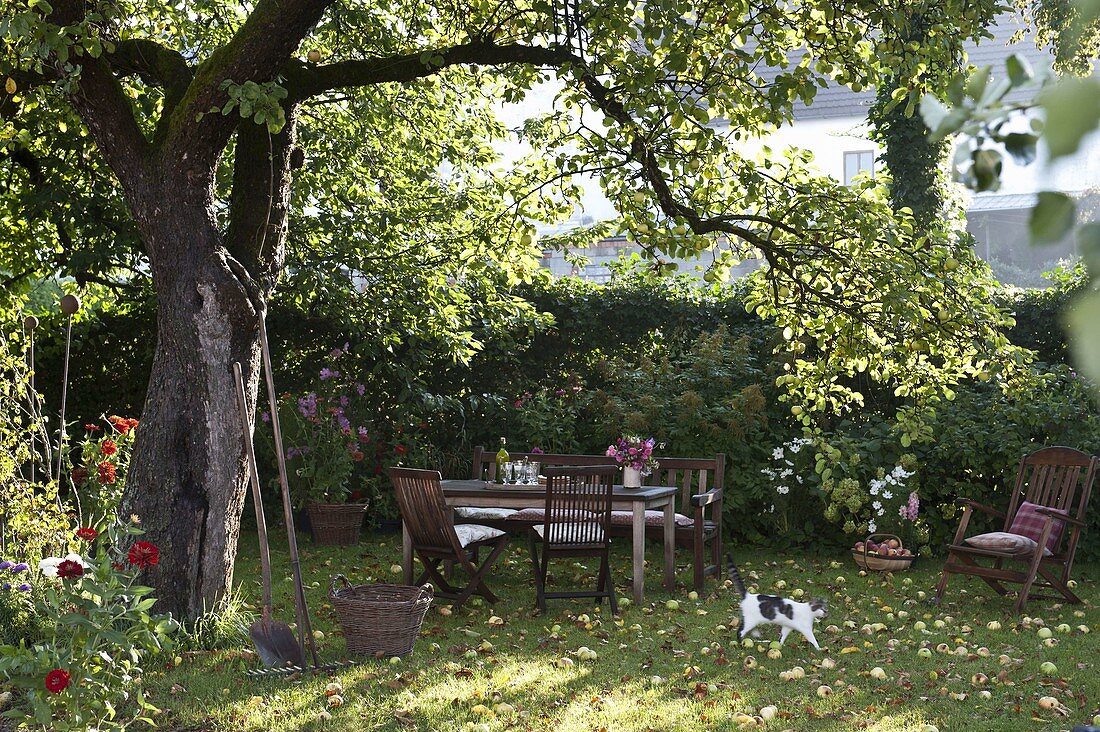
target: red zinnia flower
93 428
143 554
68 569
400 449
108 447
122 424
357 455
86 533
57 680
80 475
106 472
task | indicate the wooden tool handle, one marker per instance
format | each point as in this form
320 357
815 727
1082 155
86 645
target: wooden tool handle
254 478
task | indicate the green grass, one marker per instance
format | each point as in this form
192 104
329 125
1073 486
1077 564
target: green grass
658 668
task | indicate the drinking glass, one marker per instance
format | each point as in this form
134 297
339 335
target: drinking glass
509 471
532 473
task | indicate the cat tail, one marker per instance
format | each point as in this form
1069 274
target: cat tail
735 576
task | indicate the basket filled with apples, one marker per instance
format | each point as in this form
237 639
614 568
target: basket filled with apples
882 553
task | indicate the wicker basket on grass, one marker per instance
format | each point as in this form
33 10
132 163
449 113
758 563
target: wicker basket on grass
379 620
336 524
879 563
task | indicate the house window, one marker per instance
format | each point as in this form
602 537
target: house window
862 161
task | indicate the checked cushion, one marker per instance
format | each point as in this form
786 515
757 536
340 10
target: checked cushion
1029 522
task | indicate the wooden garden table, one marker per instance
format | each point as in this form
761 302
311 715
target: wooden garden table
482 494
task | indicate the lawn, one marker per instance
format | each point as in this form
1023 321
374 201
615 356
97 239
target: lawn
665 665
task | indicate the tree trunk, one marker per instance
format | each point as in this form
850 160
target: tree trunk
188 477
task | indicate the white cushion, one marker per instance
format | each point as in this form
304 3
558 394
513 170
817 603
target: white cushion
538 514
561 533
477 512
470 533
1002 541
652 518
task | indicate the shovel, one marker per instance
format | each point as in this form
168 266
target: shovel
305 630
273 639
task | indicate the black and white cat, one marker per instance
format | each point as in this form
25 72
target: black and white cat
761 609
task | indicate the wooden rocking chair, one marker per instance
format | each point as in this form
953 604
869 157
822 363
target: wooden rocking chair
1056 481
436 539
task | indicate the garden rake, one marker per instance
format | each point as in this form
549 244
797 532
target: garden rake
274 640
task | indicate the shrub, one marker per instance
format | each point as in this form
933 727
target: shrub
86 672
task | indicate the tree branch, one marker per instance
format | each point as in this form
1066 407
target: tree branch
104 107
307 80
157 65
265 42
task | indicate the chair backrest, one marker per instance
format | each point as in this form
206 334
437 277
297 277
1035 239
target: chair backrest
692 475
1056 477
423 509
578 505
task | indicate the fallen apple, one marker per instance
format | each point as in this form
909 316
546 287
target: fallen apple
1048 668
824 691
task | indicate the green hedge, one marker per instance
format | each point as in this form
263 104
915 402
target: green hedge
692 369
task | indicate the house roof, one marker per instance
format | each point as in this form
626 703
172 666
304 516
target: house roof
837 101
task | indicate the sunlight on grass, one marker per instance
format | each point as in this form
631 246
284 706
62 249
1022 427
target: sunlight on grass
891 661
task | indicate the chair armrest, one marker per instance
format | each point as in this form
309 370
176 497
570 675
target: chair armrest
705 499
967 503
1054 513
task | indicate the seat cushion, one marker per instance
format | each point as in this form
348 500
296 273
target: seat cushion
538 514
592 532
1002 541
480 513
1029 522
471 533
652 518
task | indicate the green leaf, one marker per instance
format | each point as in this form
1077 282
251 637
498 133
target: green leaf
975 85
1072 111
933 111
1019 70
1021 146
1083 323
1088 245
1052 217
987 170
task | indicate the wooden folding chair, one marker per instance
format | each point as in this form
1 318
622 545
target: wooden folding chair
576 523
435 537
1058 481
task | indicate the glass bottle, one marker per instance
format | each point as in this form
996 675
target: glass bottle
502 457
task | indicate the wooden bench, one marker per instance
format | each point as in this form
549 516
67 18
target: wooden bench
700 481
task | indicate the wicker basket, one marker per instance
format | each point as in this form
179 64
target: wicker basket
380 620
881 564
336 523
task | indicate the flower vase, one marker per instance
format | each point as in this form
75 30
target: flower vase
632 477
